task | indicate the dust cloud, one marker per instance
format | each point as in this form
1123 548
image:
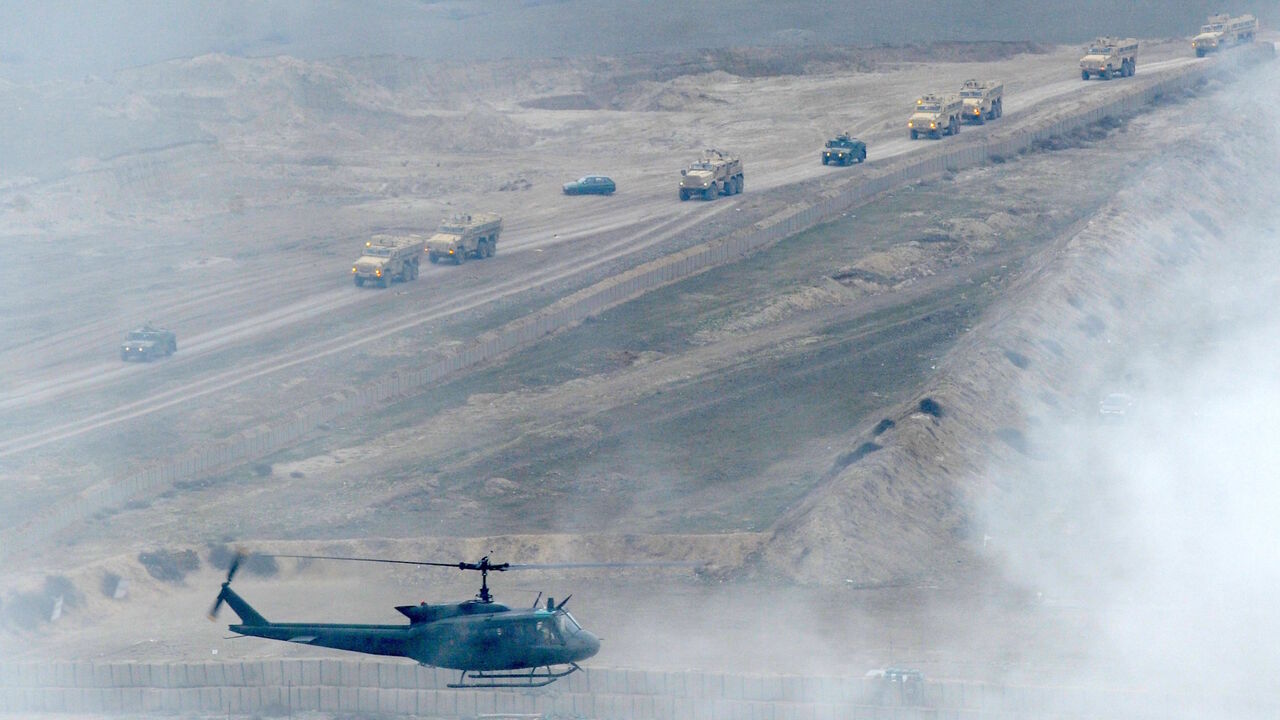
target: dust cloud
1159 525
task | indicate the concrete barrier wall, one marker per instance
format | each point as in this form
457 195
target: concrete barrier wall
256 442
280 687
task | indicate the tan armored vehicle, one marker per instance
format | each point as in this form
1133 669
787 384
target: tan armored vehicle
935 116
465 236
983 100
386 258
715 173
1223 31
1109 57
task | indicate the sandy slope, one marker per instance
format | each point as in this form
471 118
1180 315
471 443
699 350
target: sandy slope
261 306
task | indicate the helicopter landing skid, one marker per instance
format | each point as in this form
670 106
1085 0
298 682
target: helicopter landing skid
535 677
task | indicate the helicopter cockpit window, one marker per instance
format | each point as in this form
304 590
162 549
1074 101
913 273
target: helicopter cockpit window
547 632
566 623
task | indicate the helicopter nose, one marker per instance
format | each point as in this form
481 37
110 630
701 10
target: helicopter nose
590 644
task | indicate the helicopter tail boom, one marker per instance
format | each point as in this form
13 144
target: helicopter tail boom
246 613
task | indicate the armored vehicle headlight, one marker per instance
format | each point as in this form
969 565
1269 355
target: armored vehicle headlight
353 269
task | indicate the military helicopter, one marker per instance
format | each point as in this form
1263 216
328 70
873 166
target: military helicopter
491 644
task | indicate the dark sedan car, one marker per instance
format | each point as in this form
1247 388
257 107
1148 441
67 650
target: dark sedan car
590 185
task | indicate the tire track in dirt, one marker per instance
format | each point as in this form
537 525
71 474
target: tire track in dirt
365 334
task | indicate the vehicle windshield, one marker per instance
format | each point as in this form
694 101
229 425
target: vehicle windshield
1211 28
971 93
566 624
839 144
700 166
929 107
378 251
140 335
452 229
586 180
1098 51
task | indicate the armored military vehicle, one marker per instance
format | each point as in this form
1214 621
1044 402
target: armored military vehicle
465 236
715 173
387 258
844 149
1223 31
1109 57
983 100
148 343
935 116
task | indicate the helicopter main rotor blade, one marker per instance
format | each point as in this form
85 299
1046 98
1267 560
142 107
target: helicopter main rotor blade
376 560
566 566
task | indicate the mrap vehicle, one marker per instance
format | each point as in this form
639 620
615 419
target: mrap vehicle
983 100
465 236
1109 57
386 258
935 116
1223 31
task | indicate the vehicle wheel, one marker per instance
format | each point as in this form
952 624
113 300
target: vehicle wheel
359 282
742 183
862 156
710 192
1000 109
914 135
1133 68
1105 74
460 256
737 185
413 271
825 161
493 247
386 282
684 195
1084 74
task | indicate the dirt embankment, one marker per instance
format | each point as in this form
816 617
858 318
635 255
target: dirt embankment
905 506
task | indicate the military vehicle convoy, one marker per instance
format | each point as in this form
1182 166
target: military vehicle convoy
715 173
1108 57
844 149
148 343
935 116
983 100
1223 31
465 236
387 258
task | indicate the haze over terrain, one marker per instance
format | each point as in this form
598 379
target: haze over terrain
882 433
63 38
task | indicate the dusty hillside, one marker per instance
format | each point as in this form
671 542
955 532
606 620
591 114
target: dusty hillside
974 436
956 309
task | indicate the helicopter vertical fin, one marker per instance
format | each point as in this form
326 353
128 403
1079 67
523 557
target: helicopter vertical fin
248 616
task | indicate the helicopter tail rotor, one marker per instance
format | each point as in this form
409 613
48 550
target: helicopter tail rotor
226 594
